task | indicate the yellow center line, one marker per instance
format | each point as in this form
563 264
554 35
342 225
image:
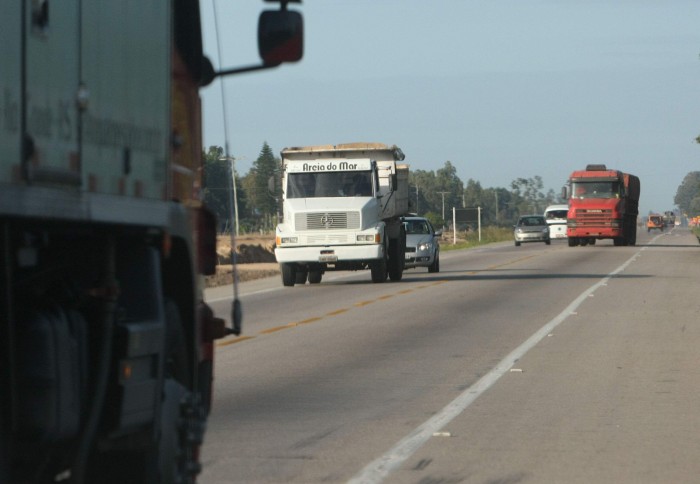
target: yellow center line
337 312
234 341
360 304
364 303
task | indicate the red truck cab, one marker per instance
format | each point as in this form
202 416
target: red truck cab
603 204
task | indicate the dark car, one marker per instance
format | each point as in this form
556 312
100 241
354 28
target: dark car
422 244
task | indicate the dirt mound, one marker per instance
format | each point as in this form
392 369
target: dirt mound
250 249
255 259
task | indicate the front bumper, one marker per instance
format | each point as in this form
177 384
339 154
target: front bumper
531 237
329 254
421 258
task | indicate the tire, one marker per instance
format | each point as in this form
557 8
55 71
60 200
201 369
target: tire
573 242
435 266
315 277
300 277
548 241
592 241
379 270
288 274
397 258
517 244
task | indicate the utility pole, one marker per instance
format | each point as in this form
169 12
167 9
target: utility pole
232 169
443 204
495 192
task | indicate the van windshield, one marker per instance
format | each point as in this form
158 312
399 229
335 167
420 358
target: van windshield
329 184
553 215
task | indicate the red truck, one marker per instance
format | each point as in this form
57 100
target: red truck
106 344
603 204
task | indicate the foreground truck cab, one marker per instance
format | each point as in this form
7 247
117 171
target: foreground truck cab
106 345
603 204
342 208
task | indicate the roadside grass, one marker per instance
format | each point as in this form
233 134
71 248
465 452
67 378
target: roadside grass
470 239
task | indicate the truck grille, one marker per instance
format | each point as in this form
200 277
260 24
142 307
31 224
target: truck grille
596 217
327 220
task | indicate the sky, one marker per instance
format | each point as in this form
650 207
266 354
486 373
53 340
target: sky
503 89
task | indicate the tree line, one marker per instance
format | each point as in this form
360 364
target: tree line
433 193
687 197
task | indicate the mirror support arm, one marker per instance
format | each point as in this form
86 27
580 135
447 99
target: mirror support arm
241 70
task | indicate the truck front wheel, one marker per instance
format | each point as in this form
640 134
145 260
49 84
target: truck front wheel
288 274
379 270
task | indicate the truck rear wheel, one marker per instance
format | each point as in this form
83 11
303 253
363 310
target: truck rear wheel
300 277
288 274
573 241
315 277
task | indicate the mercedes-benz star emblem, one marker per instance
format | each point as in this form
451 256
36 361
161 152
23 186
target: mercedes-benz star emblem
326 220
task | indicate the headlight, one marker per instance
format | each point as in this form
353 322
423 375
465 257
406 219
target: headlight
518 230
616 223
368 238
545 230
425 246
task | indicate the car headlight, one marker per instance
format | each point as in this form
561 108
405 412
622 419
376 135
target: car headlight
545 230
425 246
518 230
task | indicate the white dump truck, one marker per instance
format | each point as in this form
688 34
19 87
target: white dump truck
342 209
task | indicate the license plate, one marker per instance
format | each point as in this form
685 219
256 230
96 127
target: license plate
327 258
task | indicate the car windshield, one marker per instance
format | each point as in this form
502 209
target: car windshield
416 227
531 221
329 184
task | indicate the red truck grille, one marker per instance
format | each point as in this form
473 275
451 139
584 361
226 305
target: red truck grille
595 217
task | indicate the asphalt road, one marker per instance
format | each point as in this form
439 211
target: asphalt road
513 364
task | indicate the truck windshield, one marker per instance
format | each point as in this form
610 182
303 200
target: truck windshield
329 184
598 189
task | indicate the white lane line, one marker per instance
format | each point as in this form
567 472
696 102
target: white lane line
379 469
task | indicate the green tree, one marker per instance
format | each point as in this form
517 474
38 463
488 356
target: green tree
421 184
529 192
265 175
688 190
217 187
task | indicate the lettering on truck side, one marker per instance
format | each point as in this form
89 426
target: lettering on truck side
330 165
343 166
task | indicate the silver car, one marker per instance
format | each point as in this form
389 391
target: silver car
531 228
422 244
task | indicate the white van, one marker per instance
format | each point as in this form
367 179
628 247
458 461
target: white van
556 219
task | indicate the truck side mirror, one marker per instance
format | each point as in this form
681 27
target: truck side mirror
564 193
280 36
394 181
